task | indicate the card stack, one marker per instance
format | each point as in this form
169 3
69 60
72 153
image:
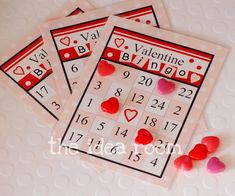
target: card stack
116 85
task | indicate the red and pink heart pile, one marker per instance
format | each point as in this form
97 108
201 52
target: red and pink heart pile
209 144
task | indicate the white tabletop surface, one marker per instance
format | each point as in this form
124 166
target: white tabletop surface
27 168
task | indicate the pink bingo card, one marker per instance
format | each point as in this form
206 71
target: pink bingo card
27 71
142 55
69 41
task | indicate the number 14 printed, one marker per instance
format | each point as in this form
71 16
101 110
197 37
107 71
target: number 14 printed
135 65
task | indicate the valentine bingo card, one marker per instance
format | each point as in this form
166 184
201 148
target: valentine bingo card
69 41
28 73
141 85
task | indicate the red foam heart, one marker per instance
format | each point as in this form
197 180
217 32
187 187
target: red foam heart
199 152
211 142
144 137
184 162
105 69
110 106
165 86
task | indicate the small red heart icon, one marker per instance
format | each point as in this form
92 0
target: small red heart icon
65 41
105 69
144 137
184 162
18 71
130 114
110 106
119 42
211 142
165 86
199 152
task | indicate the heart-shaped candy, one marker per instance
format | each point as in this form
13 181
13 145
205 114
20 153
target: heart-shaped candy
110 106
214 165
199 152
144 137
105 68
211 142
165 86
184 162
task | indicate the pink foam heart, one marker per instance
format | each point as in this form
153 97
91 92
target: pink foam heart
165 86
214 165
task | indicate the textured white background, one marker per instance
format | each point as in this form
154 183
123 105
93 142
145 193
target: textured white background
26 167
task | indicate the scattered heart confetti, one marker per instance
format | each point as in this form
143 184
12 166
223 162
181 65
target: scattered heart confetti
165 86
215 165
18 71
184 162
199 152
65 41
130 114
105 68
110 106
119 42
144 137
211 142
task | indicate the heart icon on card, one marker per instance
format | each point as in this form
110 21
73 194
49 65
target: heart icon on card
199 152
165 87
211 142
215 165
105 68
119 42
110 106
195 78
184 162
18 71
130 114
65 41
144 137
